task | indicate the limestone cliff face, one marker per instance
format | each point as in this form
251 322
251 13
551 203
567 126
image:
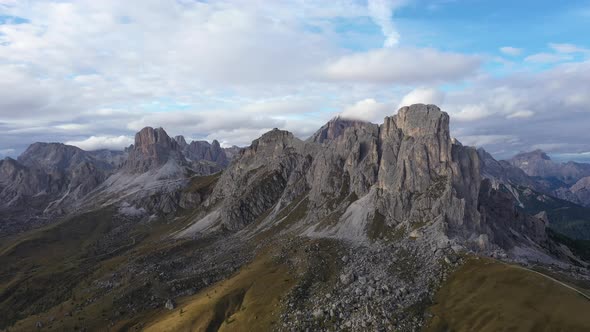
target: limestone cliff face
203 150
152 148
406 174
257 181
212 152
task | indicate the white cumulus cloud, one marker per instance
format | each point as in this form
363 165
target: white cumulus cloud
103 142
402 66
423 96
367 110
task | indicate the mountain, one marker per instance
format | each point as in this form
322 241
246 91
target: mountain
50 180
153 148
581 190
568 181
334 128
203 150
537 163
44 181
392 226
404 174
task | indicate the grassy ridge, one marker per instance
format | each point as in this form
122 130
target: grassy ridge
486 295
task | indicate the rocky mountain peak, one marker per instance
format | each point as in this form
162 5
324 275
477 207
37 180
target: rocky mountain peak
152 148
532 155
203 150
53 156
275 140
537 163
149 136
421 120
181 141
335 128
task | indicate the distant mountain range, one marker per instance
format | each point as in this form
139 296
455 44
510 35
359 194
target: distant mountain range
356 228
52 179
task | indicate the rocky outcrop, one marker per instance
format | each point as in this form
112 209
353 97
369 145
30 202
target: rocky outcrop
203 150
199 151
255 183
53 179
152 149
503 171
113 158
232 151
334 128
181 141
352 177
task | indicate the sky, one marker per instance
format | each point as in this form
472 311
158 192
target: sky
513 75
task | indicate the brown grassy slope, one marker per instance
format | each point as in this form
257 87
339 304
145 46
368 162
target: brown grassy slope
486 295
248 301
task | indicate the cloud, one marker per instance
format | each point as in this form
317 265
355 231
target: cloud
547 58
512 51
229 71
367 110
471 112
423 96
103 142
401 66
520 114
205 121
549 147
536 108
568 48
583 156
6 152
482 140
381 12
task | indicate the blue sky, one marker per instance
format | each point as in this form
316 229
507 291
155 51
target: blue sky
513 75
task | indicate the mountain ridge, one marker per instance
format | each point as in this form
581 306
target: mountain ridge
357 230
